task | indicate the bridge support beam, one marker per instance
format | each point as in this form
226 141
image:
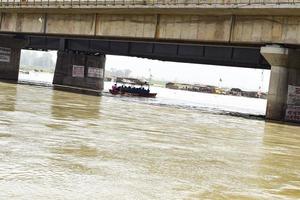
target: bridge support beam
285 77
10 53
77 72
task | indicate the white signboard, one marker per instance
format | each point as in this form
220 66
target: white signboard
78 71
95 72
5 54
292 112
293 97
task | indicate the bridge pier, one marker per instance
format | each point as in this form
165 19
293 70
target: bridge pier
77 72
284 96
10 53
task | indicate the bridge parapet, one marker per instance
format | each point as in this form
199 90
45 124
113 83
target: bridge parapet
256 22
153 3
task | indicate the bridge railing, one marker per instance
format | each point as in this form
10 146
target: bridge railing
70 3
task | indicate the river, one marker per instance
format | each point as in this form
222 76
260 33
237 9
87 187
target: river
60 145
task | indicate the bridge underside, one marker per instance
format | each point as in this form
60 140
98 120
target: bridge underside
228 33
239 56
81 62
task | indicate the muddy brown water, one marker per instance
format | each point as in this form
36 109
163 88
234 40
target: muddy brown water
60 145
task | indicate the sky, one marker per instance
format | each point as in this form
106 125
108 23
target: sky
244 78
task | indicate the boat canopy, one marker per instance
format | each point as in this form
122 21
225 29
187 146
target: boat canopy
131 81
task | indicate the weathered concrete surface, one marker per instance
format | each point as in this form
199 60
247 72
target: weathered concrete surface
267 29
137 26
65 74
72 24
19 22
276 55
294 59
285 71
9 70
193 27
10 52
277 95
236 29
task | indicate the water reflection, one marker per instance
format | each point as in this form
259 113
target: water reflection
281 149
64 155
71 106
8 93
74 115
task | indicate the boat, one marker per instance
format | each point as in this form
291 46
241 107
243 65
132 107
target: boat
131 87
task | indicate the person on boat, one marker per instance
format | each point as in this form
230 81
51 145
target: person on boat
143 91
114 87
129 90
139 90
135 90
124 88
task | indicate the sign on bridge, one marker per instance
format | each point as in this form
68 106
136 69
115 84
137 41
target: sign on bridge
95 72
78 71
293 104
5 54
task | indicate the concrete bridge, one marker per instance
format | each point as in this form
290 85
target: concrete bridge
244 33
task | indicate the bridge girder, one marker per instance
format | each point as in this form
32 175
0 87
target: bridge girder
226 55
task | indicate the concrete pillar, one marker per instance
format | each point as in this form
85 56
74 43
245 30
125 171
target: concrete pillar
285 72
10 52
277 94
79 72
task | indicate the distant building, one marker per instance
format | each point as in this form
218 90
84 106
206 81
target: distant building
191 87
221 91
236 92
214 90
171 85
252 94
206 89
